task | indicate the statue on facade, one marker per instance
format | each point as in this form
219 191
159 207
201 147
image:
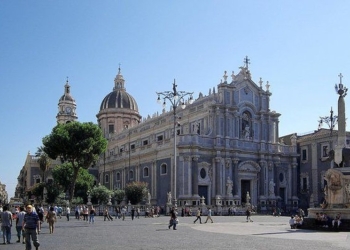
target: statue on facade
169 197
229 185
271 187
149 197
247 199
246 132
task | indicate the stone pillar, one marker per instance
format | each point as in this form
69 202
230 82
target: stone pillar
262 178
294 177
218 179
195 175
235 176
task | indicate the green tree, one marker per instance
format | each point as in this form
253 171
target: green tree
101 194
136 191
63 175
119 195
77 143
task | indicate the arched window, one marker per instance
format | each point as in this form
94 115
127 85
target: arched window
118 176
145 172
106 178
131 174
163 169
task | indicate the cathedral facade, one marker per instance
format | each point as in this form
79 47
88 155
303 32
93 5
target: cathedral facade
221 150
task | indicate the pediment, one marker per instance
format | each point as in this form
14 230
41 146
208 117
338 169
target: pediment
249 166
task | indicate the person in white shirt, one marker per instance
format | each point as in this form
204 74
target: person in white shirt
67 213
19 224
292 222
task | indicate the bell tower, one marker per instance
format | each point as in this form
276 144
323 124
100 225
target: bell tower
66 106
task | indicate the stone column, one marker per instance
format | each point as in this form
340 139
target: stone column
294 177
218 179
263 180
195 175
235 175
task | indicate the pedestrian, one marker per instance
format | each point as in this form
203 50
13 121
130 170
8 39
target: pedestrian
19 223
138 213
77 212
117 211
248 212
30 223
173 219
67 213
85 213
51 219
182 212
209 216
92 215
106 215
132 213
6 218
59 212
123 212
198 215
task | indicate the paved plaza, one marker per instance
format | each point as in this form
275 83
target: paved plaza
265 233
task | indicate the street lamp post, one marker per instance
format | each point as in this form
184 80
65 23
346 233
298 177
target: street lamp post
176 98
331 121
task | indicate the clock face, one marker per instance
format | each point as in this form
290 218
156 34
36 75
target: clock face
68 110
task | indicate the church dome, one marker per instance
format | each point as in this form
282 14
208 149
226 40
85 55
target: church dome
67 97
119 98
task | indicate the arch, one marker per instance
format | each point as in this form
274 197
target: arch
163 169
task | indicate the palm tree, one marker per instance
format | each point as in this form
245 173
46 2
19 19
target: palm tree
44 163
43 160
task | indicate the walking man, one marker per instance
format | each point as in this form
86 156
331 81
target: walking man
19 223
198 215
209 216
67 213
248 212
30 224
173 219
6 218
132 213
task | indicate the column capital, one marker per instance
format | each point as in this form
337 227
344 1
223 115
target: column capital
218 159
195 157
262 163
227 162
187 158
235 161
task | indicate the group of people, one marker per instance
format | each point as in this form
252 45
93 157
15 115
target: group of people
295 221
323 220
27 226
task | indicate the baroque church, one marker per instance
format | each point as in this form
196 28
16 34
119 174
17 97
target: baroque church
220 150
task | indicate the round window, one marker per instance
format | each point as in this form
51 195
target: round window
203 173
281 177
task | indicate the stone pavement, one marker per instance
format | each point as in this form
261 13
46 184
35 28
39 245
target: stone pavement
266 232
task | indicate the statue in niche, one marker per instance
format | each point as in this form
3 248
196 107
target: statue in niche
246 131
229 185
247 198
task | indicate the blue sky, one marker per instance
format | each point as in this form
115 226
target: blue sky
300 47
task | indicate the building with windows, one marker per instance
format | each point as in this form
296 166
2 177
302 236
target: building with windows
227 147
315 159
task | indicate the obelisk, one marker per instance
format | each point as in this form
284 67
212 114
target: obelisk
341 90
